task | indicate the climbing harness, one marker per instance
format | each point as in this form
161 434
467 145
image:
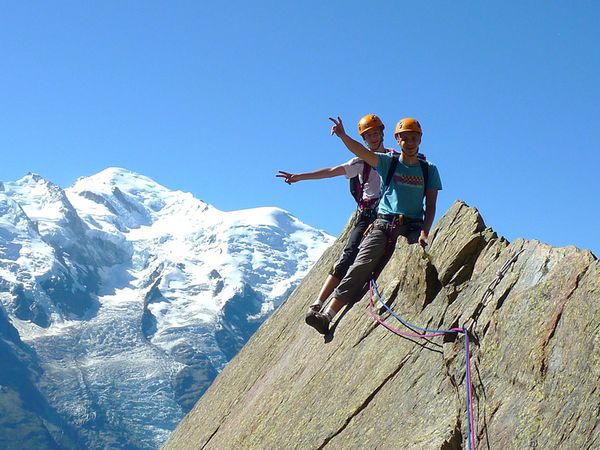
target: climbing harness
390 224
429 333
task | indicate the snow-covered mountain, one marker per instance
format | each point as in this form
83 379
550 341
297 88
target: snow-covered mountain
131 297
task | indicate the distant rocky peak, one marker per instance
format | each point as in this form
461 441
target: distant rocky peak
44 202
37 183
32 183
126 180
33 176
120 190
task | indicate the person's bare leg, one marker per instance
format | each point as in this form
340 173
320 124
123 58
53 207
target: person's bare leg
333 308
329 285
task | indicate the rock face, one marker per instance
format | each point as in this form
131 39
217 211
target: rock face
535 358
26 418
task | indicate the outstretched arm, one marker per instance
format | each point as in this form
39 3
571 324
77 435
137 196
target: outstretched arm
330 172
354 146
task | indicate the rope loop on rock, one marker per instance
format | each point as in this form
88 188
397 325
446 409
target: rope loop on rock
428 333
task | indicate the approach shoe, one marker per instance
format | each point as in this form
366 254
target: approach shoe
318 321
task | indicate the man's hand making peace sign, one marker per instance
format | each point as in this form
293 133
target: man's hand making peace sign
338 127
354 146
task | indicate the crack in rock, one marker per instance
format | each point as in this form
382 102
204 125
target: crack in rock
572 285
364 404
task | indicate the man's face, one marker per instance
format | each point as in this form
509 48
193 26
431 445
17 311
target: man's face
409 141
373 138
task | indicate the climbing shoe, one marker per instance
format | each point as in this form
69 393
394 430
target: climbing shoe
318 321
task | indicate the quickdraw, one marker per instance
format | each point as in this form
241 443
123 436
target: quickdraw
489 291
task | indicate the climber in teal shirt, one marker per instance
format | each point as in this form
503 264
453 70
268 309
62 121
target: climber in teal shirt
406 182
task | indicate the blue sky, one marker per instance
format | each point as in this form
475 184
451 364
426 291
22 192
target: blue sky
215 98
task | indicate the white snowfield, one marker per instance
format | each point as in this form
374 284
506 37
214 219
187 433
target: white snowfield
172 287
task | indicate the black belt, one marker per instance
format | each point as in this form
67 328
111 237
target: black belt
393 217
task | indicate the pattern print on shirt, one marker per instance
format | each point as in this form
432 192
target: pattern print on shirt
411 180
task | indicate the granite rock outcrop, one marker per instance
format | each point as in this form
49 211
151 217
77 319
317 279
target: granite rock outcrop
535 359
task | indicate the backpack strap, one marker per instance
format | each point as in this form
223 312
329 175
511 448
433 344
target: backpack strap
425 170
357 187
390 173
365 176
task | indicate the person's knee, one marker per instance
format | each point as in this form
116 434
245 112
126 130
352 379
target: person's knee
339 270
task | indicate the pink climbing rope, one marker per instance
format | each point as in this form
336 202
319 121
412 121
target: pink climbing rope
429 334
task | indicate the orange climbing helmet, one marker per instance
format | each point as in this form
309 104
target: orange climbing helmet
408 124
369 122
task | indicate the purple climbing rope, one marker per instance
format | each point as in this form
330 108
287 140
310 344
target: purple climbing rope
469 383
428 333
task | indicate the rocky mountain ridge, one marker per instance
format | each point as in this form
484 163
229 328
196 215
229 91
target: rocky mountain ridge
534 355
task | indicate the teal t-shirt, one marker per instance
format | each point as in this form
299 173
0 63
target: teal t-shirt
404 195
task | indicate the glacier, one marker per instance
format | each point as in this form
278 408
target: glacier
132 297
